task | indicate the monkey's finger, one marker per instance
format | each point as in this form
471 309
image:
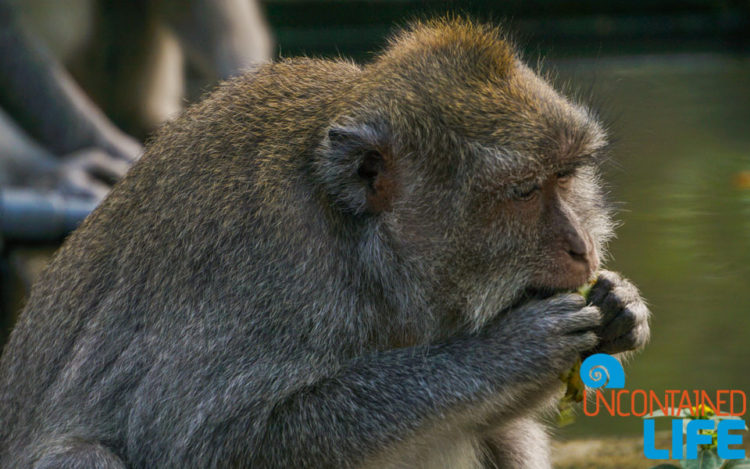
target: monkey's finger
104 167
123 147
625 321
613 303
97 161
618 327
617 300
633 340
585 319
565 303
109 173
605 282
582 342
76 181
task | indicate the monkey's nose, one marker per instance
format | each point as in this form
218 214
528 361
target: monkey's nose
577 249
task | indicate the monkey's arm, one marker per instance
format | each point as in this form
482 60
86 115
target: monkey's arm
46 102
380 399
387 397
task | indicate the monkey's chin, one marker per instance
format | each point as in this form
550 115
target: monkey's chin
552 283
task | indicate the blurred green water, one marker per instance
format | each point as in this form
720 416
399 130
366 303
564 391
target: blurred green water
681 126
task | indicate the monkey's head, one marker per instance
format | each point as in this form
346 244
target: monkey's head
469 171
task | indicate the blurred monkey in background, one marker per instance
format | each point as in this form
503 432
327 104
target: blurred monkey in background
132 61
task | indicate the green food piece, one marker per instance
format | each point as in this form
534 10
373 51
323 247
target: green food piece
585 290
575 388
573 394
566 415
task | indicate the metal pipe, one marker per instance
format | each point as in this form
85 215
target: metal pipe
31 215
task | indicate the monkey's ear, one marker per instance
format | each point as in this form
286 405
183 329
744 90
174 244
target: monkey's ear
356 168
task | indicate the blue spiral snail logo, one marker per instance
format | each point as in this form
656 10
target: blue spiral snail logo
602 370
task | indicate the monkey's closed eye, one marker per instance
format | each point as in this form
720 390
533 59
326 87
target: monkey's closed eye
525 192
564 177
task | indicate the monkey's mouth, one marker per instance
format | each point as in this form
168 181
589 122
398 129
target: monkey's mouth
541 293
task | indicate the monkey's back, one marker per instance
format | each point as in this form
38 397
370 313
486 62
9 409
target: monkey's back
182 273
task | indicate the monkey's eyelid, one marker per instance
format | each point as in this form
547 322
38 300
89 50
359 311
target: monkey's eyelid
524 191
567 173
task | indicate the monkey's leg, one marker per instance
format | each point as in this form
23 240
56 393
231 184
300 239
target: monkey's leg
75 453
524 443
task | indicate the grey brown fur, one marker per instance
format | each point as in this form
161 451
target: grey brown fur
328 265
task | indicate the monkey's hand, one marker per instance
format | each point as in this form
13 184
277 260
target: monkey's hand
90 173
624 314
548 336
